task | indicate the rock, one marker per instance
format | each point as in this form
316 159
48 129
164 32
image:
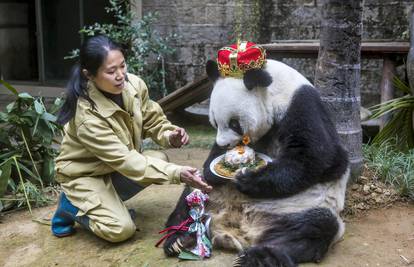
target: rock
360 206
366 189
363 179
378 190
355 187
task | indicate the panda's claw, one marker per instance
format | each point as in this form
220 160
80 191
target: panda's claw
239 260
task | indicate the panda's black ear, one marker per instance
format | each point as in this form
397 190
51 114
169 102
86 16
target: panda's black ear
256 78
212 70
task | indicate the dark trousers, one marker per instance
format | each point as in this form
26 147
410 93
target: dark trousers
126 188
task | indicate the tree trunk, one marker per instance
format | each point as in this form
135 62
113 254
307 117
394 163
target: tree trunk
410 57
338 72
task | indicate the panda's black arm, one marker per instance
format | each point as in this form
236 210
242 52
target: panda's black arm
300 164
281 178
208 175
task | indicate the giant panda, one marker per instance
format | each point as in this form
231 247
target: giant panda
289 211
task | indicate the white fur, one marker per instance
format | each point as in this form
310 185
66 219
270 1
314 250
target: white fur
256 109
245 218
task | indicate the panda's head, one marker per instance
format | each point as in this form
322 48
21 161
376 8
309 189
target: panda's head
239 106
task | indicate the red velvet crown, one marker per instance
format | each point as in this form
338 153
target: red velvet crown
236 59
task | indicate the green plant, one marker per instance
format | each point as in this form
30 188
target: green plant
401 122
391 165
145 48
27 153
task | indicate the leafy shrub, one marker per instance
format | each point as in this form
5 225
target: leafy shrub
27 154
145 48
401 123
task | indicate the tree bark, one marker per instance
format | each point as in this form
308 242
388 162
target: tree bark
338 72
410 57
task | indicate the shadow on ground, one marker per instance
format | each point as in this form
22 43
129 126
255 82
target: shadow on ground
380 238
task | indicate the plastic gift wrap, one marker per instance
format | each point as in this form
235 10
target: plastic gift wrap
200 222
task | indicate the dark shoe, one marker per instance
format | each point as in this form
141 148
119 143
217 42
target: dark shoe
65 217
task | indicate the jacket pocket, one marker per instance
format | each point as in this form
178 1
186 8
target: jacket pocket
90 203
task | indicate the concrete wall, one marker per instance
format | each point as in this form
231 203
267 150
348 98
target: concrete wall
205 26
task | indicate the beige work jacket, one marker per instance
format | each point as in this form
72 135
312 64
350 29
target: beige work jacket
102 139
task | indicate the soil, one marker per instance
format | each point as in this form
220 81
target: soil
380 231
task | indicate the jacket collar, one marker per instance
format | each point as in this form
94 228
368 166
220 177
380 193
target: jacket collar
105 106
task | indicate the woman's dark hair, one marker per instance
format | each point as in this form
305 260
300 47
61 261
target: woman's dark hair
93 53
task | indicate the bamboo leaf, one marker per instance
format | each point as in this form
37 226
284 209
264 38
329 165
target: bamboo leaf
10 106
7 155
35 126
31 157
28 171
49 117
9 87
22 183
39 108
400 85
25 96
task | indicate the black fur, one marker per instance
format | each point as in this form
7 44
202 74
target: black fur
309 153
212 70
256 78
293 238
207 174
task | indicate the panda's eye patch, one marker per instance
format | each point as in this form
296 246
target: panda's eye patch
235 126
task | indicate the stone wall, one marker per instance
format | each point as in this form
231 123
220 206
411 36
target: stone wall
203 27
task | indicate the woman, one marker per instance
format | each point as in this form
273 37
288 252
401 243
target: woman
107 113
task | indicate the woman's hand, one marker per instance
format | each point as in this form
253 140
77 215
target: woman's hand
178 138
192 177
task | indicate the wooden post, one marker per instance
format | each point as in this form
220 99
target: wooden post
387 89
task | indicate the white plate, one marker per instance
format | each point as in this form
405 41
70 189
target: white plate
216 160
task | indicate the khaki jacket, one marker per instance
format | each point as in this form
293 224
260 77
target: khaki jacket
104 139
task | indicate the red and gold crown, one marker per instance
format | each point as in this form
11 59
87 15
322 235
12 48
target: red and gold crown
236 59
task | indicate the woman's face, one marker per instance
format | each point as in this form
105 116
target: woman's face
110 77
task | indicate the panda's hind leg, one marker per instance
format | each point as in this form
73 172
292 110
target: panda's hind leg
227 241
292 239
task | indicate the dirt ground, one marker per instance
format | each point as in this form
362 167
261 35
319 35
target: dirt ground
374 237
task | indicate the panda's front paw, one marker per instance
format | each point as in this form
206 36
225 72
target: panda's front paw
247 184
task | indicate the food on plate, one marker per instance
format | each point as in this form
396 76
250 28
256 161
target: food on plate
237 158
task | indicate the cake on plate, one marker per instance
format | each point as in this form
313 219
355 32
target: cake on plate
237 158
